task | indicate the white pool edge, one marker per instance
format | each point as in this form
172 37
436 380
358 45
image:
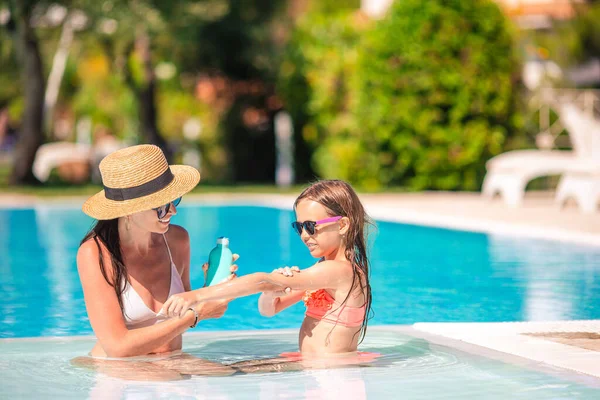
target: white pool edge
510 338
436 220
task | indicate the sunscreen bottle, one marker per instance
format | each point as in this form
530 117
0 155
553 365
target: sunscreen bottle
219 262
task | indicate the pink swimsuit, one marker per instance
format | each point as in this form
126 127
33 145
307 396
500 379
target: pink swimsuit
320 305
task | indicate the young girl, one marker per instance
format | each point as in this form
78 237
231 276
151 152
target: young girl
331 222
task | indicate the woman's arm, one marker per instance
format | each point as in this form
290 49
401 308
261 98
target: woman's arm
324 275
105 314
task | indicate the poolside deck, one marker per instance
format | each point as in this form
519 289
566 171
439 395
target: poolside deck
572 345
538 217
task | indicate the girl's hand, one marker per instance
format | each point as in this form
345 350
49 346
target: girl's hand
233 269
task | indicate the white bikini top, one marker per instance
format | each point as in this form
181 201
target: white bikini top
137 314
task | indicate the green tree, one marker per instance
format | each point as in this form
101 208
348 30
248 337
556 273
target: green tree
218 37
436 94
314 81
215 36
586 41
420 99
570 42
127 33
27 50
238 45
10 69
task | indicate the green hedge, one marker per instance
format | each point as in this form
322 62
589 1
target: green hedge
420 99
315 83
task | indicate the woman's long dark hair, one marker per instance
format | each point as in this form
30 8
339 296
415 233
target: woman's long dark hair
107 231
339 198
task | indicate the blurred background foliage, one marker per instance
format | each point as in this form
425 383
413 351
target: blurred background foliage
439 93
574 41
419 99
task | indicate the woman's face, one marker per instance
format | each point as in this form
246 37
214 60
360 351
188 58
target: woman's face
327 238
148 220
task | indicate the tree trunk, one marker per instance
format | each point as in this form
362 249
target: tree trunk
57 71
146 97
31 134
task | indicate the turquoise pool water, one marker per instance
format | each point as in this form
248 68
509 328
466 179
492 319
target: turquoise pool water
419 274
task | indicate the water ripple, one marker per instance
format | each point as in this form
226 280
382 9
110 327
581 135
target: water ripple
409 367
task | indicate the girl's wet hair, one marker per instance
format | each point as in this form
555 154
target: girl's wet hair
339 198
107 231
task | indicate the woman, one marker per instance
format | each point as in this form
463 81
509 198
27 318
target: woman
133 259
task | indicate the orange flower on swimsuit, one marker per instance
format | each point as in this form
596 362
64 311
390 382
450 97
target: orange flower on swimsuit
319 305
318 299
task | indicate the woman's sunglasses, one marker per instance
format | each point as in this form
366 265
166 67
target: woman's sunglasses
311 225
162 211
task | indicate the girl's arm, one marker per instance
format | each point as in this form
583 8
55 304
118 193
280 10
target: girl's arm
324 275
271 303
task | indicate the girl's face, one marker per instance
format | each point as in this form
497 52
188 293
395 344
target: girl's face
148 220
328 236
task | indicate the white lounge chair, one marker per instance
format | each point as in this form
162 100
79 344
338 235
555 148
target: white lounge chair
51 155
581 181
509 173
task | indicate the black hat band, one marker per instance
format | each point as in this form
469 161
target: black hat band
150 187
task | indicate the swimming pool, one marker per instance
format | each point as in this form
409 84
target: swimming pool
419 274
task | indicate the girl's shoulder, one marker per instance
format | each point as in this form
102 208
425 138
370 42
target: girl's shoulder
333 263
343 268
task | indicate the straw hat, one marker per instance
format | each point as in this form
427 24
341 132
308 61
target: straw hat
138 178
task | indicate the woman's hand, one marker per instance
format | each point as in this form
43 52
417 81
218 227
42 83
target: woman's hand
287 271
212 309
178 304
268 297
216 308
233 269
